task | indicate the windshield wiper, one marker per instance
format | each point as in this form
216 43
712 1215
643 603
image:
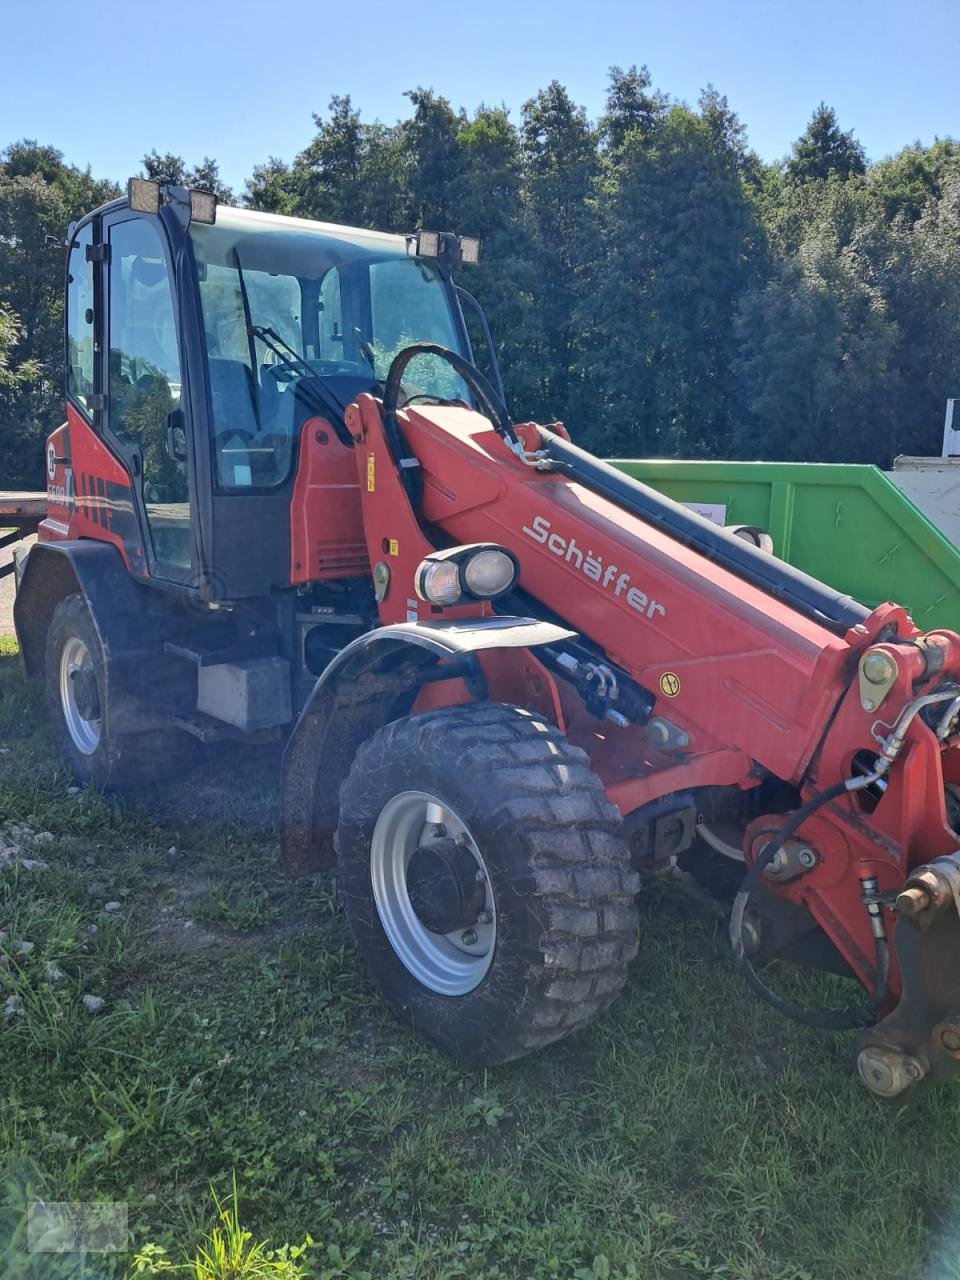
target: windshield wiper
321 398
366 349
255 381
312 388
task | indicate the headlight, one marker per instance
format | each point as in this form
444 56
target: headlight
489 573
440 583
481 571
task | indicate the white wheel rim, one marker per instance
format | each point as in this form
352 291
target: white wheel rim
76 661
445 963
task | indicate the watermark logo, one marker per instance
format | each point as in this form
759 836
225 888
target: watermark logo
67 1226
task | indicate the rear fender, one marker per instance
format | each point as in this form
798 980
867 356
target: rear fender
373 681
138 683
94 570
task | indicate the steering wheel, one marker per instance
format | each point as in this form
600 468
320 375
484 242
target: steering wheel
489 402
490 405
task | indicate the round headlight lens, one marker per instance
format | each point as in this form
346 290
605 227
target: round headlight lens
440 583
488 573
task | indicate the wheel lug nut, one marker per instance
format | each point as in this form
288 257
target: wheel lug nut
439 829
485 917
481 875
468 937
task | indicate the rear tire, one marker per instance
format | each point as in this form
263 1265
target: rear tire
81 714
521 801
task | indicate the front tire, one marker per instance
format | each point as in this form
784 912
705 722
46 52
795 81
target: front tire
485 880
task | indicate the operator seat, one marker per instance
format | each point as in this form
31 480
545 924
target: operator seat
277 406
235 430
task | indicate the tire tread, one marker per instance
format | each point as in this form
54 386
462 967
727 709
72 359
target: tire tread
576 864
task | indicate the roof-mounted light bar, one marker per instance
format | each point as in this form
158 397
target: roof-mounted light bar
447 247
470 251
203 206
145 196
428 244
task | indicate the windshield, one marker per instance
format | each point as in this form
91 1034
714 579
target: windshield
298 319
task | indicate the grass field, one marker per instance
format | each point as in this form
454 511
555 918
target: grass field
688 1133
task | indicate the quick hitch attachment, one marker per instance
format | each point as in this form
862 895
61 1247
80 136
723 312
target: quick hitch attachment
921 1036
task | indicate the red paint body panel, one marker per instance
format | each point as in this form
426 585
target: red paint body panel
754 674
89 494
326 519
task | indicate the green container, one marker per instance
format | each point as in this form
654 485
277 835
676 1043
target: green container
849 526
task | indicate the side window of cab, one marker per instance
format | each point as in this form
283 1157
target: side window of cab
144 386
80 321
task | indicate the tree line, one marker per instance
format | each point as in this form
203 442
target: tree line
648 279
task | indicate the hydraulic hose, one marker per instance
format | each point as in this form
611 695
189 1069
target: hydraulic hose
490 405
856 1015
827 1019
717 845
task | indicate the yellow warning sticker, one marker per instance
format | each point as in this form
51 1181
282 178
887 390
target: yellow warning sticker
669 684
371 473
394 547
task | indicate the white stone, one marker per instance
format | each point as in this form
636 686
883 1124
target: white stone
93 1004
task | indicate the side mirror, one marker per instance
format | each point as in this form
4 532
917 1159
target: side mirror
177 435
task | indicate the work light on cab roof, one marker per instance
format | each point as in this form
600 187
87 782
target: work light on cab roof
452 249
145 196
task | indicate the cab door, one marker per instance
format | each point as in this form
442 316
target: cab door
144 389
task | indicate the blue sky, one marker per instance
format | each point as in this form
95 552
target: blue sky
239 81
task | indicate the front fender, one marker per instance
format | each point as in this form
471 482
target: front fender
374 680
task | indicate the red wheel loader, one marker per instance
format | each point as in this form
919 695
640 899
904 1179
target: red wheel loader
286 503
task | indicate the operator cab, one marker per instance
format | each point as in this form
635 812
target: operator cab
298 319
200 340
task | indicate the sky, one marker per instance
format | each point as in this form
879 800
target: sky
240 81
